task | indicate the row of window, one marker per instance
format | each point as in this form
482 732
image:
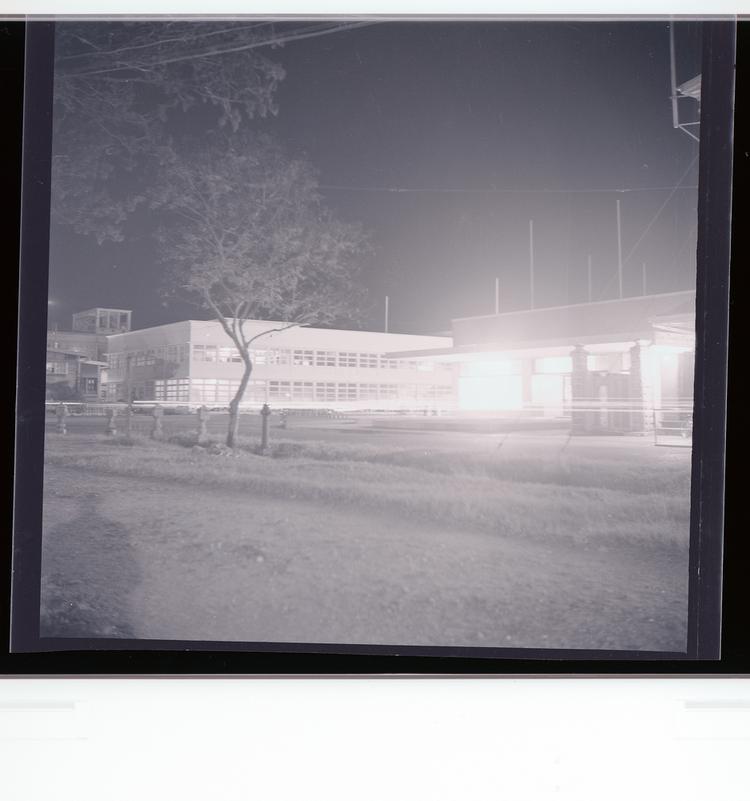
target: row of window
57 368
297 358
550 365
174 354
309 358
221 391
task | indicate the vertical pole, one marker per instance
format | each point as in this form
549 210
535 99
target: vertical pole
497 296
644 277
531 261
619 249
265 414
386 314
589 277
673 77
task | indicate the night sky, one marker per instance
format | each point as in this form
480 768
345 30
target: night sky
444 139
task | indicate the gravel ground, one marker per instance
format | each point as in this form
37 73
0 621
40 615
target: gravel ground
129 557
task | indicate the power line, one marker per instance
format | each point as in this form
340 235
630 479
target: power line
652 221
661 209
273 40
493 190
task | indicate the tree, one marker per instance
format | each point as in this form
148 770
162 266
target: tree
120 86
247 236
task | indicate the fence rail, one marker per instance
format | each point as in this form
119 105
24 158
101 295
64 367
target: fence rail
673 425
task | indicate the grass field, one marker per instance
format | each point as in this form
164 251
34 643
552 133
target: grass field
332 539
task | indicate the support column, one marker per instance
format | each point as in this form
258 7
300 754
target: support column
527 377
639 418
579 392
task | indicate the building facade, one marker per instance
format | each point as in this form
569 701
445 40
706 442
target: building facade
77 359
606 367
609 366
195 362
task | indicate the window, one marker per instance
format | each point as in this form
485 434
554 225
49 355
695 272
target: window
302 390
57 368
347 392
325 392
232 355
368 360
347 359
279 357
173 389
608 362
302 358
279 390
205 353
553 365
325 358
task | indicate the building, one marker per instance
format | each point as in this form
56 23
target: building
614 366
73 377
196 362
608 366
77 359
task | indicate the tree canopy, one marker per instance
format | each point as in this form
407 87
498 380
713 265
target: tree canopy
119 85
246 235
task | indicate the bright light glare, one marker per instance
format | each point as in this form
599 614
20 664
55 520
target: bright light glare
554 365
490 368
547 391
490 393
664 350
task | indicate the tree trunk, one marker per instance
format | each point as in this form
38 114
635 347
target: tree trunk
234 404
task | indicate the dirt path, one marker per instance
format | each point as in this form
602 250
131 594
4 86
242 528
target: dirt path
160 560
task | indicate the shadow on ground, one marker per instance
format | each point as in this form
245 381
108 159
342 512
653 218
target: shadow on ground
88 545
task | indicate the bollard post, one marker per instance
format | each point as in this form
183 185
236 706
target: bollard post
111 422
203 415
62 413
128 421
265 413
157 432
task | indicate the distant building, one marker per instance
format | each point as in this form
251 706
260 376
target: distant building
88 335
196 362
605 365
77 359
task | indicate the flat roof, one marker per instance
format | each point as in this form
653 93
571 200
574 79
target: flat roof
76 353
273 325
102 308
597 323
621 318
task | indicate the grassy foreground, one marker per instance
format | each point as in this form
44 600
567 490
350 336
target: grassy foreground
363 543
561 497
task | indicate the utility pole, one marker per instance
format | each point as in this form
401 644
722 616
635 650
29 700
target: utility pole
619 248
497 296
589 277
644 277
531 261
386 314
673 77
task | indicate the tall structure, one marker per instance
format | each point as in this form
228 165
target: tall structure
196 362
